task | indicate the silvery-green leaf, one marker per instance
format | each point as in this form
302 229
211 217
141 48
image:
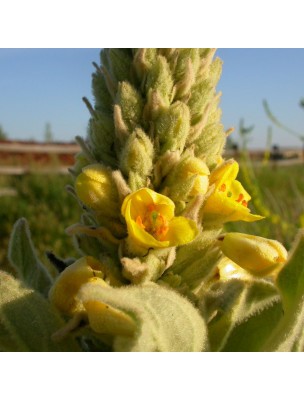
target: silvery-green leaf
165 321
27 320
23 258
241 314
289 335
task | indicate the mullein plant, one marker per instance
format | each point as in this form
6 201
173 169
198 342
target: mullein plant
156 270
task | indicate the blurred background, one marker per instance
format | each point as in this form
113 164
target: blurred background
41 112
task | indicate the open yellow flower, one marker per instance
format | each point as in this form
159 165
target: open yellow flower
256 254
151 222
229 201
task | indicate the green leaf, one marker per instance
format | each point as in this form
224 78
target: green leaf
289 335
165 320
252 333
23 258
242 314
27 320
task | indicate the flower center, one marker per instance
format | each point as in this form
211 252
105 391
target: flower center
240 199
153 222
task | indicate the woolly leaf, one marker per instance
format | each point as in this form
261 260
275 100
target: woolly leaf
165 321
242 314
27 320
23 258
289 333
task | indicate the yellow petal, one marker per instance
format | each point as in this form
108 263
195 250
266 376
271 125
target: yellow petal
236 188
226 172
220 207
181 231
63 293
105 319
142 198
141 237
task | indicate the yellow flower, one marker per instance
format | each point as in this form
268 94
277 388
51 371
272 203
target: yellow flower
229 201
254 253
96 189
151 222
63 293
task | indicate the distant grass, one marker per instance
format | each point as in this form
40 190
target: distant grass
49 209
281 190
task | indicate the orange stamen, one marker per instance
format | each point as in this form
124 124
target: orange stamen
241 197
163 228
151 207
244 203
139 222
222 188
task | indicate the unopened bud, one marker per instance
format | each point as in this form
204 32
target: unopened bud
253 253
131 105
137 155
159 78
63 294
191 170
96 189
172 127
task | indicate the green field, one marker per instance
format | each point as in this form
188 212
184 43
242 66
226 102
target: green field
49 209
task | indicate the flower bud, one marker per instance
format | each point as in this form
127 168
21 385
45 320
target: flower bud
137 155
173 126
131 104
253 253
119 61
143 61
159 78
188 179
96 189
63 293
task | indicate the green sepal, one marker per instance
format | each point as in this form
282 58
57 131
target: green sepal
131 104
143 61
27 320
165 321
209 145
159 78
196 261
201 95
119 64
24 260
136 158
148 268
172 127
215 71
103 99
102 139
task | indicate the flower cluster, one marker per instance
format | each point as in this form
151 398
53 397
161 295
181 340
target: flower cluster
154 189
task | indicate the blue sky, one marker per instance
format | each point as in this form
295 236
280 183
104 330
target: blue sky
40 86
